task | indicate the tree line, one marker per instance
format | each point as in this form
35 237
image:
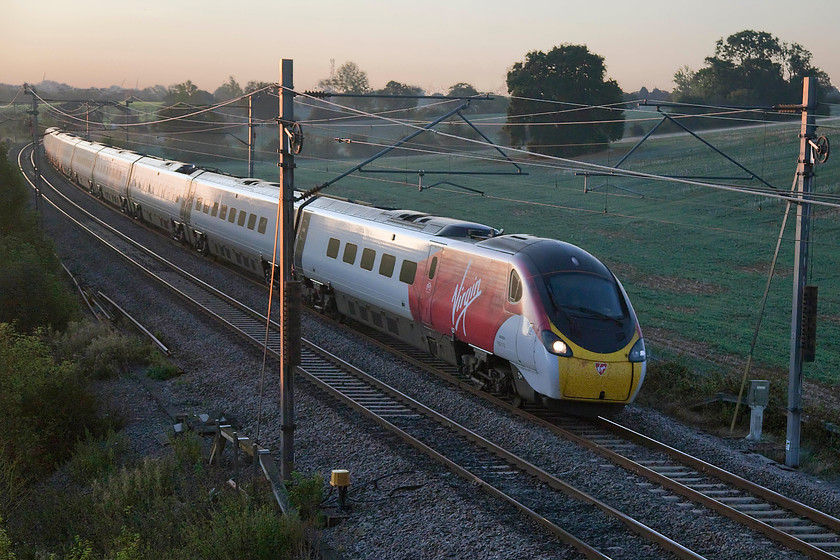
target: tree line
560 102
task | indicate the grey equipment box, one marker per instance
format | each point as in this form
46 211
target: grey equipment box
759 393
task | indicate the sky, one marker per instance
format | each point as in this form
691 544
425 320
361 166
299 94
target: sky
432 44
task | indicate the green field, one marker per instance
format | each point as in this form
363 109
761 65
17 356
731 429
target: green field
694 260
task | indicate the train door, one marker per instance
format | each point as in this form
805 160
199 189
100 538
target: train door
526 338
430 277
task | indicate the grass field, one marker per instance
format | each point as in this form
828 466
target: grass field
693 259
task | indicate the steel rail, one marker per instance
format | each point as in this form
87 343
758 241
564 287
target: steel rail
788 539
521 464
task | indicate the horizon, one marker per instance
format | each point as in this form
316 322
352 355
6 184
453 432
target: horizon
432 46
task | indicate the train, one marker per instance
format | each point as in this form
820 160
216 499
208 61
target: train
539 320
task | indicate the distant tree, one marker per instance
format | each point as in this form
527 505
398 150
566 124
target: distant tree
349 78
573 76
265 105
644 93
186 112
187 93
462 89
397 88
228 90
750 68
254 86
153 93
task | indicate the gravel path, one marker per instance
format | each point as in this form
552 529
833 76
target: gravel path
404 505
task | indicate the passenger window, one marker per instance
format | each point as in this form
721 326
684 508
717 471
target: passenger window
215 209
332 248
232 217
223 212
408 271
368 256
514 288
350 253
206 206
197 201
433 268
252 221
386 266
263 225
242 216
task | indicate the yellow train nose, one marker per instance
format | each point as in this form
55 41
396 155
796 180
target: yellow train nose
597 380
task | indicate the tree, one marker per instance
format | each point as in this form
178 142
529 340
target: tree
228 90
462 89
186 116
750 68
556 98
397 88
349 78
254 86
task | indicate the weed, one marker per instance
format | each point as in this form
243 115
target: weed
94 458
100 352
5 544
188 449
161 369
239 528
306 495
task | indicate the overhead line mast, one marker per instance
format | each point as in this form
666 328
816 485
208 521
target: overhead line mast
805 177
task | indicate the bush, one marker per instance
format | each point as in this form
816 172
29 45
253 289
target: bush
45 406
100 352
32 293
239 528
94 458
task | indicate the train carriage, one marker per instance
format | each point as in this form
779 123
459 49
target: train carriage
111 171
82 162
59 148
233 219
157 193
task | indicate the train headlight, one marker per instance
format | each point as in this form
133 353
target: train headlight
637 353
555 344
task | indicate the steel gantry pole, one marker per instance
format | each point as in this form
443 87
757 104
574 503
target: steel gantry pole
805 177
251 135
290 290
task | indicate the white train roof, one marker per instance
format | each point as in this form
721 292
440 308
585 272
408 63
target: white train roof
409 219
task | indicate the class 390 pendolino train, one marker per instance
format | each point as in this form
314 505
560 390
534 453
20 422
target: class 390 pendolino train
534 318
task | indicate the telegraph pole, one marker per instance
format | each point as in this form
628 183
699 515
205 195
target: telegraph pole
290 290
805 177
36 143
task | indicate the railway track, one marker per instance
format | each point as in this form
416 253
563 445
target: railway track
668 470
540 495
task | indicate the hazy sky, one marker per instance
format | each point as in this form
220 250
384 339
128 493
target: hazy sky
429 43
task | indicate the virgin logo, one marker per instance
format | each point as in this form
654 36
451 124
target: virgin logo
600 367
462 298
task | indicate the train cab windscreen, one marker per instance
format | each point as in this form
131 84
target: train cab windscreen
589 309
581 296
